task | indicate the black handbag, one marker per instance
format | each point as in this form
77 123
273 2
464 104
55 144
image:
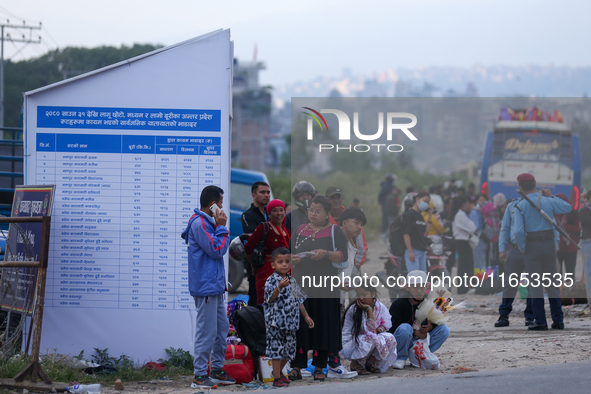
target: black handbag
258 257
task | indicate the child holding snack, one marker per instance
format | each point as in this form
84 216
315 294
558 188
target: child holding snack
366 340
284 301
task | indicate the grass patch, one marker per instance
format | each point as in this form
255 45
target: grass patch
60 368
178 358
14 365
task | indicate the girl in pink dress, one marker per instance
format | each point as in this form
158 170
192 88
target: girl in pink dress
366 340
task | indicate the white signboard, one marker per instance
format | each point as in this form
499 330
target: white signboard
129 148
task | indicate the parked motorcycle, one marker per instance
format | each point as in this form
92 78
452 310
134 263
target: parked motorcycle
437 255
394 266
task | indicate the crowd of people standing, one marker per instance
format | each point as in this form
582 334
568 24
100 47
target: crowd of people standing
320 238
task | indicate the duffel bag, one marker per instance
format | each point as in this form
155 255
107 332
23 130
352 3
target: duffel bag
239 364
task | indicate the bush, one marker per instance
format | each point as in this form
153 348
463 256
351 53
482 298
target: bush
178 358
60 368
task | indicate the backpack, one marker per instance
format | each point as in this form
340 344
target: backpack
397 245
491 222
391 205
258 256
250 326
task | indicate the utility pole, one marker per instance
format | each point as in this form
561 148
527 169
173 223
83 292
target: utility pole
8 37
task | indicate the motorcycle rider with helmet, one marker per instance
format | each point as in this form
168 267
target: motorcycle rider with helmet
302 193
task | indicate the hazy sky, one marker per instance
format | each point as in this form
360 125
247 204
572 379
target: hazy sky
299 40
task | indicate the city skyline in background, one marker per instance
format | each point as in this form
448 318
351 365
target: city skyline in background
336 49
306 40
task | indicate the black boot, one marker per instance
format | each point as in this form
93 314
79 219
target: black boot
503 321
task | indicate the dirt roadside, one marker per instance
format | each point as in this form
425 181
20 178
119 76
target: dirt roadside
474 341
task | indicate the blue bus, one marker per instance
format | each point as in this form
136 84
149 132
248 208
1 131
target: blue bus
547 150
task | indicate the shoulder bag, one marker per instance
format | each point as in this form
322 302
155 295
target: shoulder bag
258 257
342 264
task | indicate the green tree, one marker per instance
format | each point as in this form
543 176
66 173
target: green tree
280 182
56 66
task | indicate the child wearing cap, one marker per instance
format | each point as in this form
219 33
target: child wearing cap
403 315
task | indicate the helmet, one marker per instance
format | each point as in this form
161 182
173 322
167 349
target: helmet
300 188
407 200
237 249
391 177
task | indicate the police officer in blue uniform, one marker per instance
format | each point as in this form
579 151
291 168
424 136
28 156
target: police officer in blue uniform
534 236
514 266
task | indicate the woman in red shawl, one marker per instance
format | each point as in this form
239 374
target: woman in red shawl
278 235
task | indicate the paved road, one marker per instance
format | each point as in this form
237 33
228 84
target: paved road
556 378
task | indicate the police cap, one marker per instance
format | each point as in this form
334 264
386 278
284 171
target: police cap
525 177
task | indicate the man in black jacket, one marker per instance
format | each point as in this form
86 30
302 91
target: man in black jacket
256 214
251 218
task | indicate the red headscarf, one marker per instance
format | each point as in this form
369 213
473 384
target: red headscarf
273 204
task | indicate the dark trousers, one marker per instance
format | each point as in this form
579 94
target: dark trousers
540 258
385 222
252 289
320 359
252 285
515 265
334 359
568 261
451 260
465 263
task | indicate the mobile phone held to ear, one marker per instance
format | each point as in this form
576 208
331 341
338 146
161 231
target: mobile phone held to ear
215 210
425 322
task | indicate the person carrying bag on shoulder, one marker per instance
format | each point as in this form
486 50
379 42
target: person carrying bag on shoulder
464 235
270 235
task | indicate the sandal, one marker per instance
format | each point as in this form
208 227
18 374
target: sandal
319 375
372 369
360 370
294 374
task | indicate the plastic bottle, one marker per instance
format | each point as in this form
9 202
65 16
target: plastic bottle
84 388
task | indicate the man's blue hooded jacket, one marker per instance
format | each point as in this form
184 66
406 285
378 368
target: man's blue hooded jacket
208 244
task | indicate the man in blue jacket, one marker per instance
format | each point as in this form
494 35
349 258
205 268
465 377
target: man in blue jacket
537 239
514 266
208 240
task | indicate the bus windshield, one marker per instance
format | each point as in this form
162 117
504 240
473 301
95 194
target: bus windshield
526 146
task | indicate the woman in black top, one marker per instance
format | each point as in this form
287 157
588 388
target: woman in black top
328 245
415 230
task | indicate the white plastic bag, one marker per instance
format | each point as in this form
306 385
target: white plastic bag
421 357
266 369
474 241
